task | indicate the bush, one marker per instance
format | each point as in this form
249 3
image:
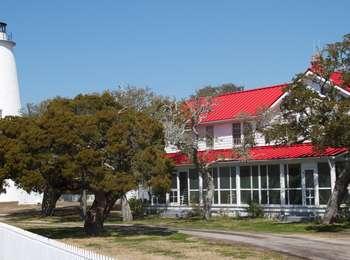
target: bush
255 210
137 208
196 211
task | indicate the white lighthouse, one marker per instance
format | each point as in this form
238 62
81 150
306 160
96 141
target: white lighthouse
10 103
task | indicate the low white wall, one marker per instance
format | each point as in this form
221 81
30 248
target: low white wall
18 244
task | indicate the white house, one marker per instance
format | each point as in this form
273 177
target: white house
285 180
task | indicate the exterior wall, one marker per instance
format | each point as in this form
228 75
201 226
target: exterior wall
223 137
14 194
9 90
307 192
10 105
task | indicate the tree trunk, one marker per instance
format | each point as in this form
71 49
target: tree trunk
83 205
126 211
49 201
208 182
93 225
111 199
338 195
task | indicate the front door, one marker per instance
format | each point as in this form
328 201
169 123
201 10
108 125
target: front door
309 187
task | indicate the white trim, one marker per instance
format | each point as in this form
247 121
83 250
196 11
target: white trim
331 164
310 72
238 185
316 185
282 185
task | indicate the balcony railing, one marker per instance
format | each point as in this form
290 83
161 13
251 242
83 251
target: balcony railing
6 36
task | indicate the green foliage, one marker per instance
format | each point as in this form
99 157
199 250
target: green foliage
137 207
306 115
255 210
217 90
90 137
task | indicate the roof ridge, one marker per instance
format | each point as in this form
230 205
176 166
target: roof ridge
251 90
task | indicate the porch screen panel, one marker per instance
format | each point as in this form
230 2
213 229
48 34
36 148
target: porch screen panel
216 185
324 182
245 184
225 193
233 186
249 176
274 184
293 184
194 186
270 184
173 191
255 183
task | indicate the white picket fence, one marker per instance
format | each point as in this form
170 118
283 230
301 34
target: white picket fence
19 244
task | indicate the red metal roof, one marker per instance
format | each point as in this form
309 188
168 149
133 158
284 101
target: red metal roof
337 79
248 102
261 153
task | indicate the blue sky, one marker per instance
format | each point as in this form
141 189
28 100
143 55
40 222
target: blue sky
70 47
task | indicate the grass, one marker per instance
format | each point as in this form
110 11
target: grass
247 225
138 241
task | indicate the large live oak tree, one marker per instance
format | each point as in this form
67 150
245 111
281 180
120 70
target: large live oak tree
89 141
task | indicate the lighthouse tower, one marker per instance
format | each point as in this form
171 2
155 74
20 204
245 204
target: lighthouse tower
10 103
10 106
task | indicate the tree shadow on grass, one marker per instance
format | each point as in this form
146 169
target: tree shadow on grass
338 227
115 231
62 214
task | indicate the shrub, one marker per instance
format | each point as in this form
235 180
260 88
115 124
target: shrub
255 210
137 208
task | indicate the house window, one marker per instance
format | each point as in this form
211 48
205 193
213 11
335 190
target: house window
270 184
236 133
248 133
249 176
209 136
324 183
293 184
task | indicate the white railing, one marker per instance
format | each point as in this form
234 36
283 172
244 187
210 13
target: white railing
18 244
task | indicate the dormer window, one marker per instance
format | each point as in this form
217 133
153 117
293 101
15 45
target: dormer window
209 136
236 133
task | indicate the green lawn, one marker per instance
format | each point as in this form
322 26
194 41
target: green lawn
246 224
139 242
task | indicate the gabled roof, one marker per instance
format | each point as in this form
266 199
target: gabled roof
336 77
261 153
249 102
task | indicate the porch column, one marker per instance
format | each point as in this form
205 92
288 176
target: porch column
167 198
238 185
331 164
283 185
178 188
303 186
200 188
317 196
